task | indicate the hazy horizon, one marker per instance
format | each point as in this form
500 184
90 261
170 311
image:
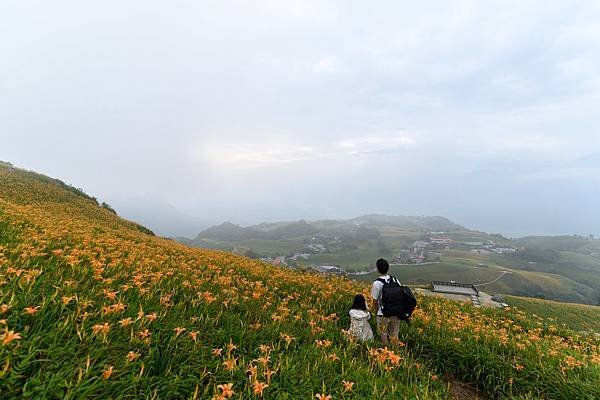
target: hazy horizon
192 114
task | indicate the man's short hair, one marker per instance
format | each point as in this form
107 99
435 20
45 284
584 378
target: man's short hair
383 266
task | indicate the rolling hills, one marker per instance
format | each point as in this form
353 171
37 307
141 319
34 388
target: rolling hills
92 306
561 268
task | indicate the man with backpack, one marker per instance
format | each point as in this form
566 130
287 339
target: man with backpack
392 302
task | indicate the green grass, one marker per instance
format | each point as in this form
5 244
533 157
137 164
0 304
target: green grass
579 317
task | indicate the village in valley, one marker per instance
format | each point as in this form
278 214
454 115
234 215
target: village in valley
428 249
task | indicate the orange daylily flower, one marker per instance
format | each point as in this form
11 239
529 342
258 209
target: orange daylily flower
101 328
10 336
263 360
268 374
132 356
144 334
217 352
288 339
152 317
108 371
31 310
226 390
264 348
230 364
178 331
347 385
258 388
252 371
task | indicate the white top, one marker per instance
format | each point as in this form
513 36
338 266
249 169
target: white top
376 291
359 325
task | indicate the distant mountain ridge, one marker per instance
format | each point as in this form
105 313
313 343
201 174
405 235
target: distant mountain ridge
229 232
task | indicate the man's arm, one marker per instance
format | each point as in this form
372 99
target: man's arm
375 294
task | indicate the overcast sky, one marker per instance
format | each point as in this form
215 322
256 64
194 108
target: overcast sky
184 113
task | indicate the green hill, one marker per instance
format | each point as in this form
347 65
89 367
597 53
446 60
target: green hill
92 306
302 230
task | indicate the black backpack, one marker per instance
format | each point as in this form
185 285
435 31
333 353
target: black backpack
396 300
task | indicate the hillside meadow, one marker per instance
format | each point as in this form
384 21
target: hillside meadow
581 317
94 306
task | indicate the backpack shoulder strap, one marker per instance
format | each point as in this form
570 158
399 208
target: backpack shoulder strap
394 279
381 280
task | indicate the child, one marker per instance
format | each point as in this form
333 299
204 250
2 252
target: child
359 319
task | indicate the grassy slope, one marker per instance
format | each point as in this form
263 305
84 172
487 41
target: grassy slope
576 316
575 269
90 307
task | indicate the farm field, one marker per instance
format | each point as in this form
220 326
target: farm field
95 306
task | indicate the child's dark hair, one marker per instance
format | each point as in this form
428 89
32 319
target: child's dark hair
382 266
359 303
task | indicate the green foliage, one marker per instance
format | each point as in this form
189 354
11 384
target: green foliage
143 229
108 207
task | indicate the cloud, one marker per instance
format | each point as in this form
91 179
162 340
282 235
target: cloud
308 105
244 155
269 153
374 144
531 143
327 65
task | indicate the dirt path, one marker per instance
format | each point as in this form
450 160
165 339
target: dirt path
463 391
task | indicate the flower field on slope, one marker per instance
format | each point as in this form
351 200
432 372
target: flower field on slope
91 306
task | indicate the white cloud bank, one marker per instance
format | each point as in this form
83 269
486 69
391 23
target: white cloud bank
245 155
468 109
